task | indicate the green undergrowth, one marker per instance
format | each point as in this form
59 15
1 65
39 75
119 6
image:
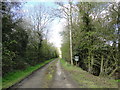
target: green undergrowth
87 80
14 77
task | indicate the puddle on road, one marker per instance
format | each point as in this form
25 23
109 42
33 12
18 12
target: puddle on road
60 79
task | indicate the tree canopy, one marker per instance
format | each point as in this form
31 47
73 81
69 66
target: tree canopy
95 37
23 45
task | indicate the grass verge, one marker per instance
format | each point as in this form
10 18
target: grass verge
0 82
14 77
87 80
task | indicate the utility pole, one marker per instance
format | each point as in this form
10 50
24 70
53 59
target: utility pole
70 18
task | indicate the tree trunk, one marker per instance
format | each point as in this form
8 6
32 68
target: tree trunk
118 24
70 18
101 67
89 62
92 62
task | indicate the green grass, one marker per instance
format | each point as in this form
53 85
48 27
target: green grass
87 80
118 80
0 82
13 77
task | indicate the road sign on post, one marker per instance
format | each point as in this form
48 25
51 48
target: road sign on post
76 58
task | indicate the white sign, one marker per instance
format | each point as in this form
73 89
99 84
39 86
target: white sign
76 58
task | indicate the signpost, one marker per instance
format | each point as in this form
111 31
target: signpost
76 58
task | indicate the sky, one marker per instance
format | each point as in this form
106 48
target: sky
55 27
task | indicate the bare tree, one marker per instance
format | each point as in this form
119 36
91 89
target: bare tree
41 17
67 11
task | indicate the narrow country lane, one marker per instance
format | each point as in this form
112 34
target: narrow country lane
40 78
36 80
59 44
61 80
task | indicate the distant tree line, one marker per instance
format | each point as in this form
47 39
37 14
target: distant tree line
21 46
95 36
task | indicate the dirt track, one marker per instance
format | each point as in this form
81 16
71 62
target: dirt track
50 76
61 79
